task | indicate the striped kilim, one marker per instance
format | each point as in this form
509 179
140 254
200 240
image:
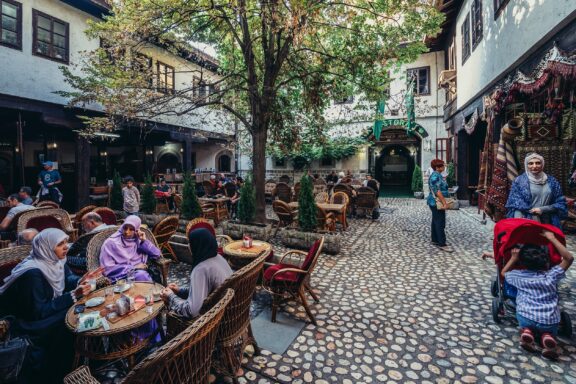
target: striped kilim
505 171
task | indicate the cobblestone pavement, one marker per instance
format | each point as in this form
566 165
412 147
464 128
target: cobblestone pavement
395 309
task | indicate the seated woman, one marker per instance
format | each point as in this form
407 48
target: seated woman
127 251
38 293
209 271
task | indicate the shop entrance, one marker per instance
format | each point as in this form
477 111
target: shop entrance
394 169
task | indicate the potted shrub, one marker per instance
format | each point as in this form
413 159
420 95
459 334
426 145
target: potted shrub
417 183
147 199
246 212
308 233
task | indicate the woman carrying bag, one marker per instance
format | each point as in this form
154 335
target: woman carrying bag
437 203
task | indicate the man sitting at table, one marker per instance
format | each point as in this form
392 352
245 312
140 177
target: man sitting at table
26 194
92 224
163 190
15 202
209 271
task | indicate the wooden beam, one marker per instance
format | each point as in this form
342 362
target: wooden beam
82 172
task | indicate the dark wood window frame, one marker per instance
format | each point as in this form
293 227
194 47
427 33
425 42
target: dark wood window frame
279 162
18 31
164 88
443 149
51 54
327 162
465 31
499 6
477 24
143 63
346 100
417 83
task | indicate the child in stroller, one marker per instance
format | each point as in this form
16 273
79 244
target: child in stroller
526 284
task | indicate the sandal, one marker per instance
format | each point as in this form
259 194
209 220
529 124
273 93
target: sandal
548 341
527 340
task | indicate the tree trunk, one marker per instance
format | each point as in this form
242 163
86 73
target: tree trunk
259 170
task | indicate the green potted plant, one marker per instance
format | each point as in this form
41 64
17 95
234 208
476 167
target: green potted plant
116 199
148 200
307 232
246 213
417 183
190 205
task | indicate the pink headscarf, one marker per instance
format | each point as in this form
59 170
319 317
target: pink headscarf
118 254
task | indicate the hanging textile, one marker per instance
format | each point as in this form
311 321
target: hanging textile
505 171
487 160
379 120
470 126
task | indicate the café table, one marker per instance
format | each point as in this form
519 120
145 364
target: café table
338 209
220 208
238 256
119 341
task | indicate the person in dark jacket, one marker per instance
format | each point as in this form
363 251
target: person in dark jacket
38 293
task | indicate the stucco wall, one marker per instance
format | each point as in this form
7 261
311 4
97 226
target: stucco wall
35 77
519 27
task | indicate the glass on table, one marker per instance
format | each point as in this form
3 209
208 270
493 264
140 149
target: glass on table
92 283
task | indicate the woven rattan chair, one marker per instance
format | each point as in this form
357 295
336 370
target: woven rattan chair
178 203
208 187
320 188
77 222
235 332
340 198
163 231
13 226
186 359
76 256
321 197
108 216
286 215
10 257
366 200
269 188
40 219
326 221
93 255
203 223
47 204
283 192
291 280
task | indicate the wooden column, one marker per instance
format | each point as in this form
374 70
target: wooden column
82 172
187 160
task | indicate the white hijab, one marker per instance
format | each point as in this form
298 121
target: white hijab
42 257
539 178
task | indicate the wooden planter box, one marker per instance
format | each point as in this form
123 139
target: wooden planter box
294 238
237 230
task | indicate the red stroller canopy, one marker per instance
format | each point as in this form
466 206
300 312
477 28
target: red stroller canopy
511 232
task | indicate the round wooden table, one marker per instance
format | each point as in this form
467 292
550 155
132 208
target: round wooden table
119 341
238 256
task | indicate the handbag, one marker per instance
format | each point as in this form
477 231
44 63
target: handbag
12 353
450 203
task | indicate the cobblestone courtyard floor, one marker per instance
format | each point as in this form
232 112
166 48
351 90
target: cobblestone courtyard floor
395 309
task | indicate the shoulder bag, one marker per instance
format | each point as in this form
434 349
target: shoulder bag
12 352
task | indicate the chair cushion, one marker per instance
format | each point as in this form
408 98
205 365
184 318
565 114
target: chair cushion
205 226
310 255
108 218
40 223
286 276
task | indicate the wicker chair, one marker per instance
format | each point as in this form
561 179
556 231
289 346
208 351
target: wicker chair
235 332
47 204
10 257
77 222
320 188
366 200
93 255
108 216
340 198
41 219
203 223
163 231
286 215
269 188
326 221
186 359
178 203
321 197
283 192
287 281
76 256
208 187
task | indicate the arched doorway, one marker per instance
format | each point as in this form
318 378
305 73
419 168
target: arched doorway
394 167
168 161
224 163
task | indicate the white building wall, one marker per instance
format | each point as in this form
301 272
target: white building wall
519 27
34 77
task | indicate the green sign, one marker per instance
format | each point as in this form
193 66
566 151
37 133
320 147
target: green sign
417 128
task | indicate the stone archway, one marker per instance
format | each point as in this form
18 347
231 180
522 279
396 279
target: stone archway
224 161
170 161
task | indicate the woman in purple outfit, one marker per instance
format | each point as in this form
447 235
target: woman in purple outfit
127 251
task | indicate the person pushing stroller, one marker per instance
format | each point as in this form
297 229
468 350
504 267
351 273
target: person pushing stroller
537 309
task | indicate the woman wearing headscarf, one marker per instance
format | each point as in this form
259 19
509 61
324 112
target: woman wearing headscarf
209 271
38 293
127 251
536 195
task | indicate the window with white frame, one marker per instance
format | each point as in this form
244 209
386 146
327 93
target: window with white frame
420 78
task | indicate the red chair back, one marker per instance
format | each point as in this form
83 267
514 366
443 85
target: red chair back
41 223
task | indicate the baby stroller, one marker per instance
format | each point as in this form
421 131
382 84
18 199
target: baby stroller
509 234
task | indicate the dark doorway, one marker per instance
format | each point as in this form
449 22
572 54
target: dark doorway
169 161
394 169
224 163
